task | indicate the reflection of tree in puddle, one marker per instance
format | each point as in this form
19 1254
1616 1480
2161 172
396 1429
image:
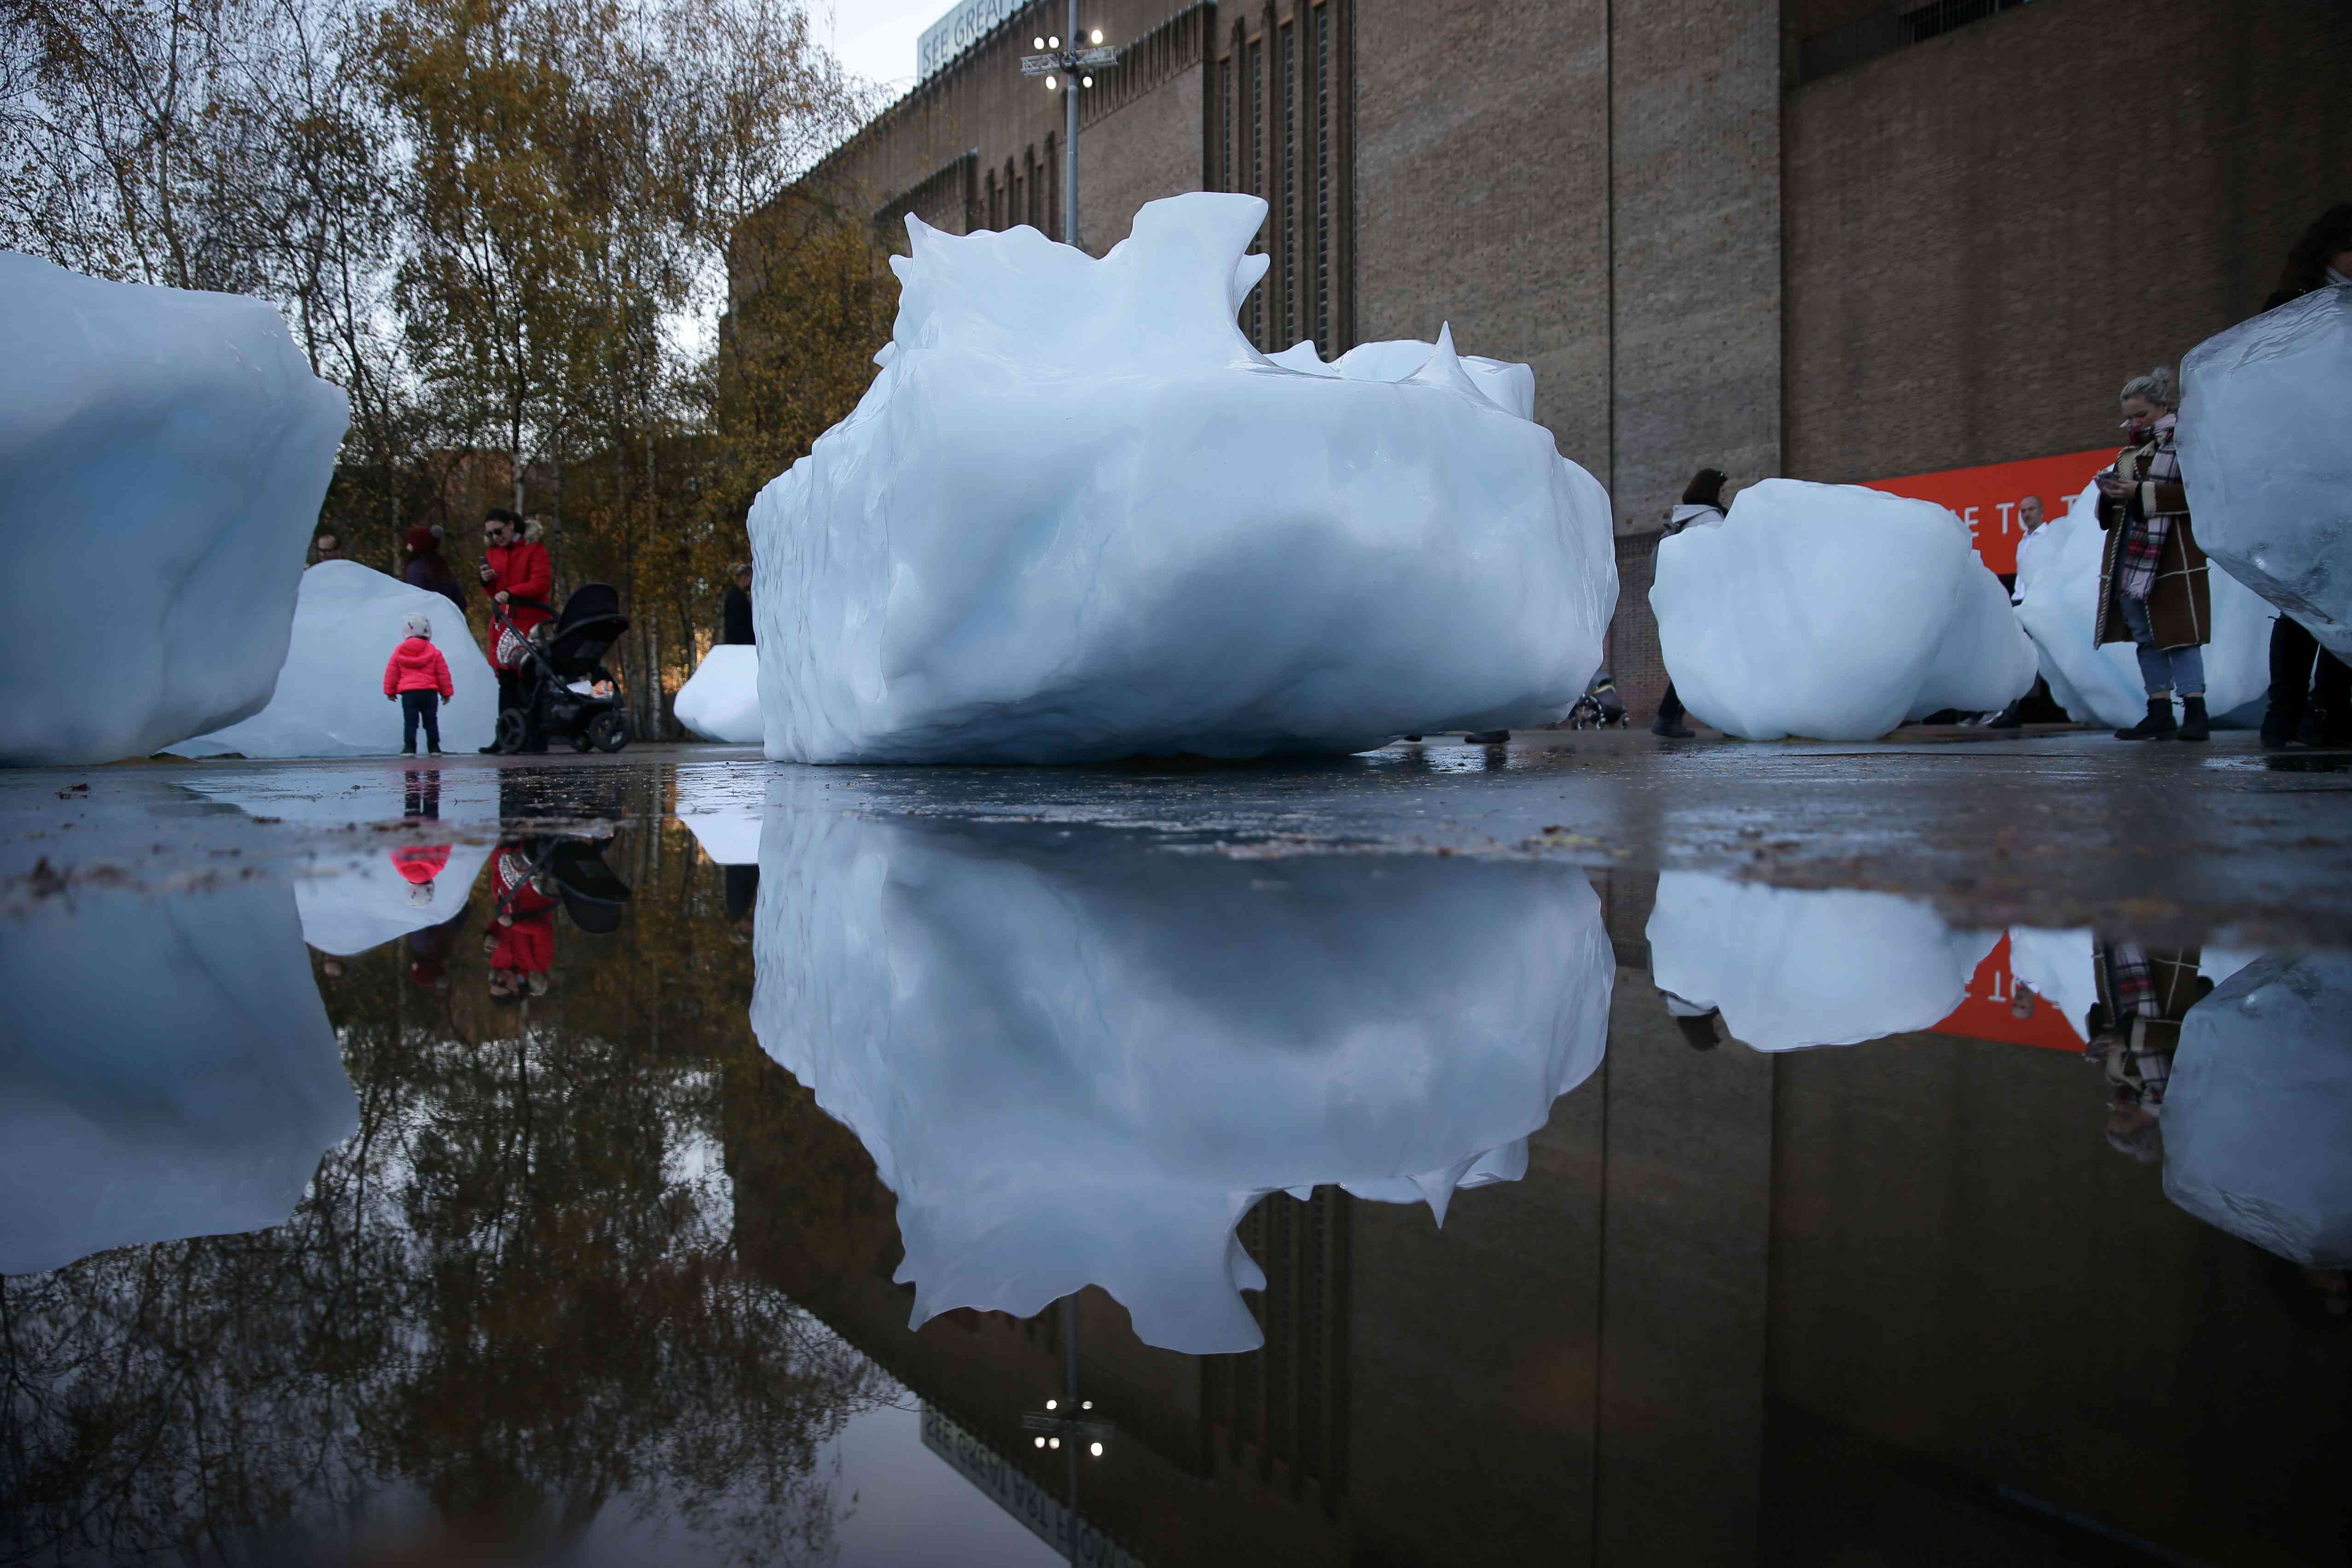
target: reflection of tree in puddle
509 1306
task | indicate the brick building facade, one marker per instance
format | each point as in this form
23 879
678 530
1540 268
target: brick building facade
1836 239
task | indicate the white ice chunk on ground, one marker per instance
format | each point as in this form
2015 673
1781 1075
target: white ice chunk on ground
720 700
1507 385
330 702
2058 599
1079 516
166 1070
1833 612
2258 1116
2264 453
162 455
1075 1063
1790 969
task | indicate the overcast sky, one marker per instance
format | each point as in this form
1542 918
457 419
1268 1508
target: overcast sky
875 38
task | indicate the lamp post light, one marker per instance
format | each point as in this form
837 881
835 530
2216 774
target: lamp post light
1068 69
1069 1424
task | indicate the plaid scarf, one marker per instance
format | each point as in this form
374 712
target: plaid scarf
2156 462
2135 985
2143 549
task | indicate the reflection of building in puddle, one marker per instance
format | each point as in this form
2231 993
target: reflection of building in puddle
1075 1063
166 1070
1046 1516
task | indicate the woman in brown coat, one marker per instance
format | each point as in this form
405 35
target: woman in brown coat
2152 586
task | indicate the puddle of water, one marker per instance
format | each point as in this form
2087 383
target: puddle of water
748 1172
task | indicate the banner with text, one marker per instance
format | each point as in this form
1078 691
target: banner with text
1987 497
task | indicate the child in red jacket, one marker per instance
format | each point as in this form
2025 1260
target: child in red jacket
418 675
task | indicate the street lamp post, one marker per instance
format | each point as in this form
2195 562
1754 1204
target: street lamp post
1069 69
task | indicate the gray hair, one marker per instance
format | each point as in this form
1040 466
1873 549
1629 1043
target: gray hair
2156 387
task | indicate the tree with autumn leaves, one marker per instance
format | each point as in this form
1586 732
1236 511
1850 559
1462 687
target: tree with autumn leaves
504 227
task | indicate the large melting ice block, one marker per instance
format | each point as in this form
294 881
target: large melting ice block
1079 1062
1790 969
2264 454
1079 516
2058 599
329 701
162 455
720 700
2258 1116
1833 612
166 1070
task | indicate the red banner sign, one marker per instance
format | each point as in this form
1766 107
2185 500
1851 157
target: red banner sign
1985 497
1986 1013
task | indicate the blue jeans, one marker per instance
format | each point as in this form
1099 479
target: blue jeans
416 707
2164 670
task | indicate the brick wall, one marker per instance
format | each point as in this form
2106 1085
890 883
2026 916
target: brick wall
1987 232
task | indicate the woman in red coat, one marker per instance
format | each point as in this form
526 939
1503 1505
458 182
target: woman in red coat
521 582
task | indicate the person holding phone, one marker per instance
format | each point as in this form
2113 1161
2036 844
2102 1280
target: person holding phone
2153 591
521 581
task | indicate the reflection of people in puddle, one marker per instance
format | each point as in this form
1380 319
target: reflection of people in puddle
429 949
420 793
522 940
1697 1022
2134 1030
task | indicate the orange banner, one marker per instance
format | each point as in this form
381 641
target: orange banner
1985 1013
1985 497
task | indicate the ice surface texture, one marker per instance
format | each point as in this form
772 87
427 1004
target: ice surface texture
2265 451
1079 516
1079 1066
1833 612
329 701
166 1070
162 456
1790 969
720 700
2258 1117
2058 599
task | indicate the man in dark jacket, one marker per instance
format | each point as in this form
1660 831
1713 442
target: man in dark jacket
735 612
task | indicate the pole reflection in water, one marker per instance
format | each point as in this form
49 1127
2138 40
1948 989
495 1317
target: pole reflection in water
1075 1064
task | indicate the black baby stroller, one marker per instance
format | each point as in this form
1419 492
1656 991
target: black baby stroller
552 663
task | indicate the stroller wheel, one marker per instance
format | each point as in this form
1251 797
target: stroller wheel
511 727
608 732
581 742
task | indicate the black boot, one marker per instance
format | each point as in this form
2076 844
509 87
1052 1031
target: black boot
2279 725
1672 729
2157 726
2194 724
1486 737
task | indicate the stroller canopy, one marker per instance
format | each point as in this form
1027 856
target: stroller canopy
590 621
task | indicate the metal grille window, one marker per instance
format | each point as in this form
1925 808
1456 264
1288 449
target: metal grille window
1286 65
1323 178
1225 127
1883 32
1256 166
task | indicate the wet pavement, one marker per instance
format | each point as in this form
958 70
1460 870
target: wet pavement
1592 1150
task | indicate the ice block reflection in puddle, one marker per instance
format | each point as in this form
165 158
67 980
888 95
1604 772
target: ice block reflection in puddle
166 1070
1788 969
1077 1061
2257 1123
